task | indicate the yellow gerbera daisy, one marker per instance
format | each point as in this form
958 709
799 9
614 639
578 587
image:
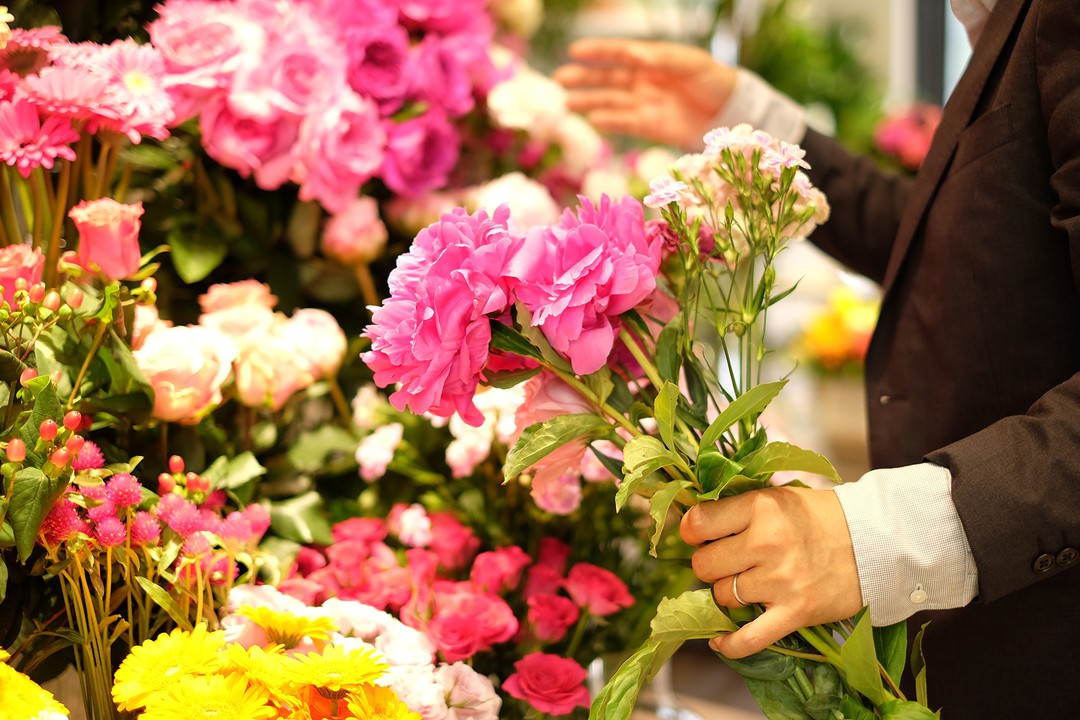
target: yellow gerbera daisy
372 702
287 629
264 667
337 668
19 691
210 697
157 664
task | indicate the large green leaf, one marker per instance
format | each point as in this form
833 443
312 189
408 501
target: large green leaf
750 403
163 600
46 406
860 660
11 367
693 615
890 642
667 401
918 666
510 340
231 473
715 470
325 448
659 507
617 699
777 700
541 439
905 710
784 457
764 665
642 456
195 254
32 496
301 519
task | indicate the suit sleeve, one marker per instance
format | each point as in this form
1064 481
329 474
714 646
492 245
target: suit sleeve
866 203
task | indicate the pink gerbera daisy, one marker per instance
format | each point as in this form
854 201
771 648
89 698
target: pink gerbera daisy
136 89
27 143
28 50
69 92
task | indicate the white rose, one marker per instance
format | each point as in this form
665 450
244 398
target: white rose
528 101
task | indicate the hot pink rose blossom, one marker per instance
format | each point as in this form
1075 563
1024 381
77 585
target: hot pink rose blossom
542 580
366 530
19 261
491 615
550 683
356 234
186 366
251 146
456 635
442 74
578 277
598 591
470 695
108 236
319 341
420 153
499 571
378 64
440 16
454 543
551 616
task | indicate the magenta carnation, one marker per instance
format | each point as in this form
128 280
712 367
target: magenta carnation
579 276
432 335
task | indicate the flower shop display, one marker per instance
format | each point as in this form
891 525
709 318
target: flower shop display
658 330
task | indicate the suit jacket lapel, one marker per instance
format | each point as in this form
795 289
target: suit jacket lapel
955 118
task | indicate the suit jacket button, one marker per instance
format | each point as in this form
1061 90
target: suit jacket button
1067 556
885 399
1044 563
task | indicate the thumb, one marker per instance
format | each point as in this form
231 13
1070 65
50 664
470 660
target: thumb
758 634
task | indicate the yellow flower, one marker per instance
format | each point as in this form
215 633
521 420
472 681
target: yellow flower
337 668
287 629
158 664
19 691
263 667
210 697
379 703
5 31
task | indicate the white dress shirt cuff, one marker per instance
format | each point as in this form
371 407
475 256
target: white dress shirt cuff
760 105
910 547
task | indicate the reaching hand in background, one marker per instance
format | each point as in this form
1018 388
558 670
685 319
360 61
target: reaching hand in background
664 92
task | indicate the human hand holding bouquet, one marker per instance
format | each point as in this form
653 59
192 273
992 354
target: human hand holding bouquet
623 312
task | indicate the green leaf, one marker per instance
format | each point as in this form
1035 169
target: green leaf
195 254
229 474
827 680
659 505
905 710
693 615
46 406
853 709
780 457
164 601
600 384
890 642
750 403
617 699
715 471
765 665
110 301
668 350
918 666
32 496
822 707
326 448
3 581
11 367
301 519
510 340
860 661
541 439
777 700
509 378
535 336
664 412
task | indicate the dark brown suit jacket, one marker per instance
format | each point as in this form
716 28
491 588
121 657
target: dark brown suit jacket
975 361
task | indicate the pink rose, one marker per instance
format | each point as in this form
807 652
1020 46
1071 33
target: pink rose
319 340
493 620
420 153
108 236
251 146
378 64
456 635
186 366
147 321
442 73
356 234
554 554
598 591
542 580
292 76
556 490
366 530
551 616
578 277
470 695
499 571
549 683
226 296
454 543
269 368
19 261
441 16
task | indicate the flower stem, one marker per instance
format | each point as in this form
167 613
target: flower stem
52 250
367 285
7 207
94 347
341 404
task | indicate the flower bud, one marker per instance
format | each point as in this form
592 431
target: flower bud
60 457
73 420
75 299
48 429
149 285
166 483
27 375
21 284
176 464
75 443
51 301
36 293
16 450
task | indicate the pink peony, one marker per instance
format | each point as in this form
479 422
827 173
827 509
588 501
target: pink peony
578 277
470 695
186 366
598 591
499 571
432 335
549 683
319 341
19 262
551 616
108 236
27 143
356 234
420 153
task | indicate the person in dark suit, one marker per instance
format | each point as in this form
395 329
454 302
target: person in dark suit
971 518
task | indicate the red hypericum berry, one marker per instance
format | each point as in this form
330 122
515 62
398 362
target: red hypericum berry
73 420
75 298
21 284
166 483
51 301
16 450
48 429
176 464
149 285
55 377
27 375
75 443
37 293
60 457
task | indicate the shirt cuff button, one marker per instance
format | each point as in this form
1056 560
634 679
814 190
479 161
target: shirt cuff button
918 596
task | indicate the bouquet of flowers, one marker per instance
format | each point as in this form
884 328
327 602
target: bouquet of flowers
659 330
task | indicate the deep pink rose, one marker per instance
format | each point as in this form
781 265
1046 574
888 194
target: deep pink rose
441 16
493 619
442 75
378 64
552 684
554 554
542 580
498 571
578 277
356 234
366 530
420 153
454 543
251 146
108 236
19 261
292 77
306 591
308 560
598 591
456 635
186 366
551 616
